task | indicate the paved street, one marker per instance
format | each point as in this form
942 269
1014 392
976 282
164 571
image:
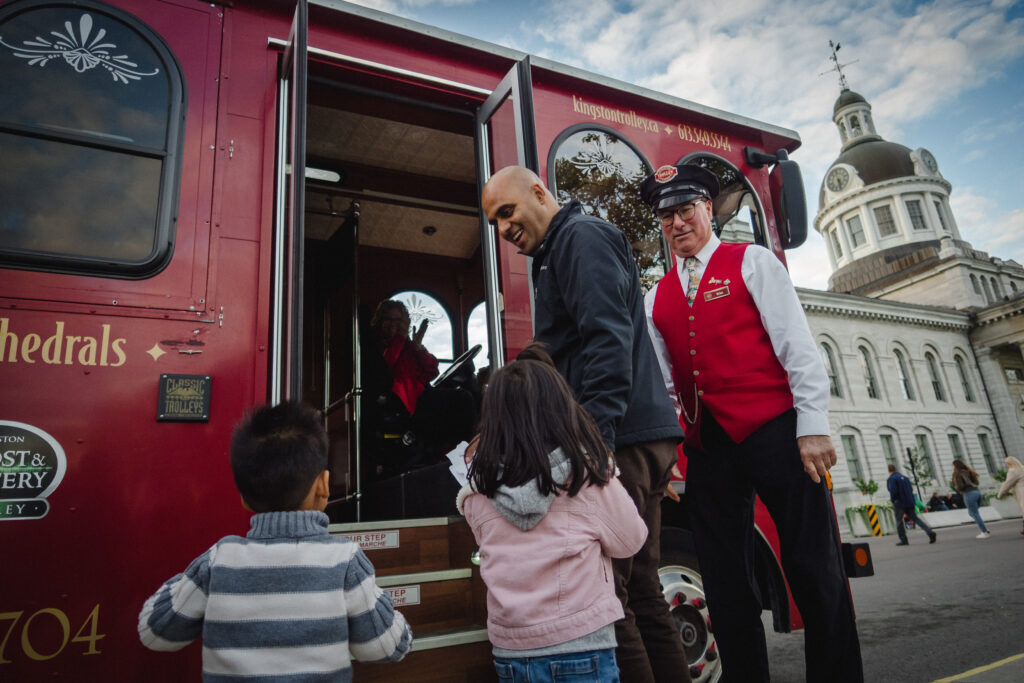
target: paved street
933 612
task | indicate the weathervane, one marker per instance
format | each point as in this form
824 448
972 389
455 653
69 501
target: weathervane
838 67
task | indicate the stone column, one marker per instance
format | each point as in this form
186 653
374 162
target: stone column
1006 404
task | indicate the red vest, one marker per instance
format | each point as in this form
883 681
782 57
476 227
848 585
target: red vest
722 357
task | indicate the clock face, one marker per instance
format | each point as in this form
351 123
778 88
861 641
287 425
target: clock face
837 179
929 161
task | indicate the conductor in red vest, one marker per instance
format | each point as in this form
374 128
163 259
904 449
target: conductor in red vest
741 365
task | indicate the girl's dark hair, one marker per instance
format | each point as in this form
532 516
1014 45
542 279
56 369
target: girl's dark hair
276 454
961 466
529 411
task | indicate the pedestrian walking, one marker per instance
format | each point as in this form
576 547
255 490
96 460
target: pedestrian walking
1014 482
965 481
549 514
903 504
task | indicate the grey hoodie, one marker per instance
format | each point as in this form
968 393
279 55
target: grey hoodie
524 506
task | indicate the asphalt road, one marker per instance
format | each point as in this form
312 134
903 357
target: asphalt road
931 611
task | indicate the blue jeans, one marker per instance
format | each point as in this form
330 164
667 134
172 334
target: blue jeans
973 499
574 667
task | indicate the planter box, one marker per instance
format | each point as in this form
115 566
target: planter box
957 517
1006 507
859 525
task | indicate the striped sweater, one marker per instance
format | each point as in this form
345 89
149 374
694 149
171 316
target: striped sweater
289 602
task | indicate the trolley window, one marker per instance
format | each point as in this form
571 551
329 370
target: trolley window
91 127
603 170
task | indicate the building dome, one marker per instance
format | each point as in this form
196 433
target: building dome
846 98
874 160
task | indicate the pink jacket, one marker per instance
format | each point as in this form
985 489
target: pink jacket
554 583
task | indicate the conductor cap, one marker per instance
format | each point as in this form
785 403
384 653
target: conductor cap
676 184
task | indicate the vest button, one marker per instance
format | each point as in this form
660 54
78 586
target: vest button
691 318
693 334
696 372
700 392
693 352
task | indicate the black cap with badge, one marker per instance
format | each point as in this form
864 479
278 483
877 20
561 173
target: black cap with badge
676 184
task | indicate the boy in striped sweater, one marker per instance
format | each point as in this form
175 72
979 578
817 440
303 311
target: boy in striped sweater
288 601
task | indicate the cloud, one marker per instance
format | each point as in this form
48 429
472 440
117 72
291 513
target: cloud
986 227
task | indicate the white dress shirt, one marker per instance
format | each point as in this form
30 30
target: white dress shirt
783 318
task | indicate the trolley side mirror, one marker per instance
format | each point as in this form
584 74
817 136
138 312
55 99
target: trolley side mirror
786 186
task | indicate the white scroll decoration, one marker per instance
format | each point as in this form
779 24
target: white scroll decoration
80 51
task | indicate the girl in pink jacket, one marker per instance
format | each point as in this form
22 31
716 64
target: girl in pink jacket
548 515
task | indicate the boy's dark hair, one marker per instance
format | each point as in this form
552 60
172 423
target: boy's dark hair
276 454
529 411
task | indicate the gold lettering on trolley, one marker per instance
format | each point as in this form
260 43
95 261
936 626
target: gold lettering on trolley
59 348
687 133
703 136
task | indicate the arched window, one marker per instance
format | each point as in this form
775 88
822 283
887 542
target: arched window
974 284
986 452
903 375
889 449
601 169
933 375
988 290
832 370
923 460
858 468
92 118
476 333
996 289
738 216
956 447
438 338
965 382
870 383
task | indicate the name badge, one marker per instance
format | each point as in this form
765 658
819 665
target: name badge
717 293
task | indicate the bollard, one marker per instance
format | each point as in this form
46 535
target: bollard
876 526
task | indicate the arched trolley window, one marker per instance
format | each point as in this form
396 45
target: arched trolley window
92 120
738 213
603 170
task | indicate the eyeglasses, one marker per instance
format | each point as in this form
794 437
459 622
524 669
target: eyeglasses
685 213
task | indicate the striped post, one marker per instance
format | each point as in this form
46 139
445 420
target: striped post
876 527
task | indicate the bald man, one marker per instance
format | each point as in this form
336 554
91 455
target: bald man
589 313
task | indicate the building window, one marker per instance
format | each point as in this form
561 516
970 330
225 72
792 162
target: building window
975 285
903 374
996 289
837 250
986 453
96 138
889 449
831 369
853 224
961 369
933 375
1014 374
870 382
853 463
916 215
957 448
941 215
925 463
886 224
988 291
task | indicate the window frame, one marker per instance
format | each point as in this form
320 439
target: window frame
870 379
170 157
891 221
934 375
917 212
965 381
831 370
854 233
903 376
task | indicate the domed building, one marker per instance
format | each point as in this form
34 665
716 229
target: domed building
920 333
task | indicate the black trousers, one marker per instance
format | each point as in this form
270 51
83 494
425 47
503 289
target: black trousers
911 513
721 483
650 648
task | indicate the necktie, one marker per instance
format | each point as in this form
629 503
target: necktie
691 267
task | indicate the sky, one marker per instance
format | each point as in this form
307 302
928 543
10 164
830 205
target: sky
947 75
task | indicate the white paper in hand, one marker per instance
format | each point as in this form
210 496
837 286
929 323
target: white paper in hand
457 456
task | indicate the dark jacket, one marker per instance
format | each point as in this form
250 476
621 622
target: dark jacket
589 311
900 492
